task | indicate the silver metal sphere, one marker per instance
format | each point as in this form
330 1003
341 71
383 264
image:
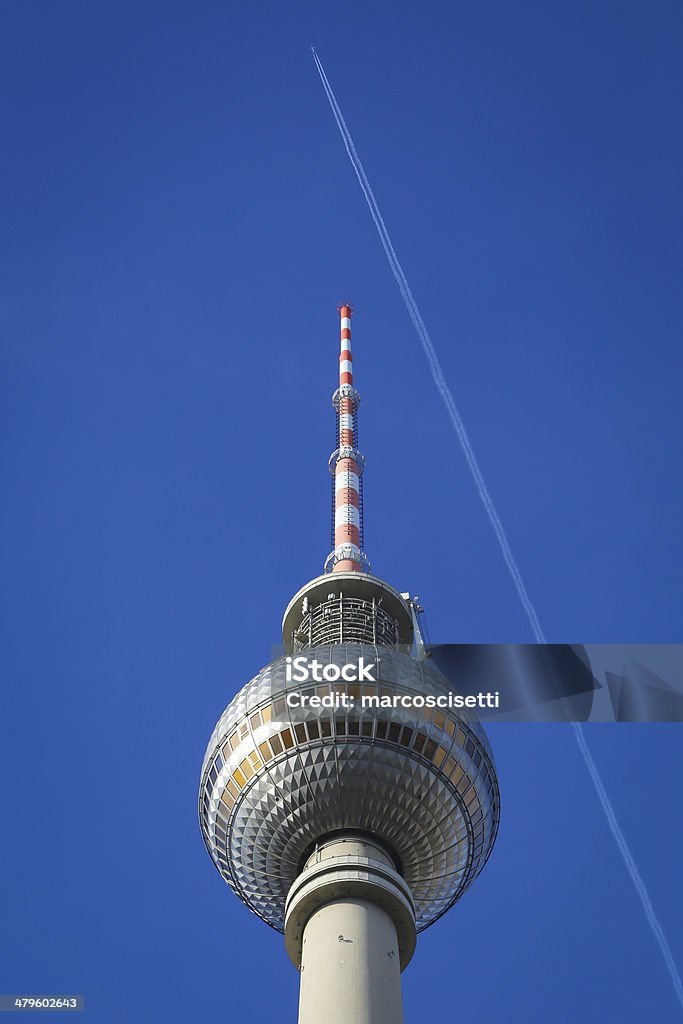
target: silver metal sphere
275 779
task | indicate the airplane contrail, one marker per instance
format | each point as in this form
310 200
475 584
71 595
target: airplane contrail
506 551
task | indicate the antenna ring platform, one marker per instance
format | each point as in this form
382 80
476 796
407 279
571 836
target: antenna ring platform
347 452
346 391
347 552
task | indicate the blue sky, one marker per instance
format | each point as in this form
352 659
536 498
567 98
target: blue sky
179 222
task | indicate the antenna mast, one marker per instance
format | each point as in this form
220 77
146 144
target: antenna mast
346 465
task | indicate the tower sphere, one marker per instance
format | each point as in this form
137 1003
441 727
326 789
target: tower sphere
279 774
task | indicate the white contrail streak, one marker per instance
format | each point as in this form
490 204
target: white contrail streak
487 501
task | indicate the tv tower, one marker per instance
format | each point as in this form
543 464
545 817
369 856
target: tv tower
336 802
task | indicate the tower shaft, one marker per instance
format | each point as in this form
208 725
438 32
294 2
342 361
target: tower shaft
348 974
350 928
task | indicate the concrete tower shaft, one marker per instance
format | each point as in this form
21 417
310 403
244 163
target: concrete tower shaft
350 928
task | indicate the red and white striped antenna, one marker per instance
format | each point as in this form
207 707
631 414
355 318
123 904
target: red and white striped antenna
347 465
